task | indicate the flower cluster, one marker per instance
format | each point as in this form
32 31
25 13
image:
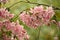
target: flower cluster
37 16
5 14
16 29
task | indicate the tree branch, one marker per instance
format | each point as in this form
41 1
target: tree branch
55 8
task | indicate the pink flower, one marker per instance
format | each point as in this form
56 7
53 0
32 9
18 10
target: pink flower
29 20
16 29
19 31
9 25
38 17
25 18
5 14
49 13
37 9
5 37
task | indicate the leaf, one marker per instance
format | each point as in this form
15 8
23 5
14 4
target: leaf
57 15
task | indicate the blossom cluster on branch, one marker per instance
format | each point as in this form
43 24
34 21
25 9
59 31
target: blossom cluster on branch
15 28
34 17
37 16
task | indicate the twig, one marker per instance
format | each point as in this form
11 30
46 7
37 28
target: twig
55 8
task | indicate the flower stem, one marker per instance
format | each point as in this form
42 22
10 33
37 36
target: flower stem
39 28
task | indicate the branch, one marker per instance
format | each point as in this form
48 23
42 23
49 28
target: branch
27 0
55 8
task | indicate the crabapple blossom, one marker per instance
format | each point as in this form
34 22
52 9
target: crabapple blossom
37 9
49 13
5 14
38 17
5 37
16 29
29 20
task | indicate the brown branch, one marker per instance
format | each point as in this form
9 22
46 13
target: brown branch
55 8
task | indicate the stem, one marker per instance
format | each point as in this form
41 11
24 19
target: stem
39 28
58 34
55 8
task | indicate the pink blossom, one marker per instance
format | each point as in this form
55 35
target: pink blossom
39 16
14 27
26 18
37 9
9 25
5 14
29 20
5 37
19 31
49 13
